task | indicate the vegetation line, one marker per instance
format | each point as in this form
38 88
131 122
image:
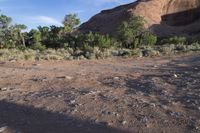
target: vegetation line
66 42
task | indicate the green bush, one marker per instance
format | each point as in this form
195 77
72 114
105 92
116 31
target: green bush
129 32
92 40
148 39
38 46
175 40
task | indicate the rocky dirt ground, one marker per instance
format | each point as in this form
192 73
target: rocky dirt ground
150 95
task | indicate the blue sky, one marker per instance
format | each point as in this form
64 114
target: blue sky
51 12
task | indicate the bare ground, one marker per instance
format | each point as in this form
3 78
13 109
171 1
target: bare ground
150 95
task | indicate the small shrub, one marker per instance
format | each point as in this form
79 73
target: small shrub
38 46
194 46
97 40
148 39
137 52
166 49
175 40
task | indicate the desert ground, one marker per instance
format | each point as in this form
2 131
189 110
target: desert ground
115 95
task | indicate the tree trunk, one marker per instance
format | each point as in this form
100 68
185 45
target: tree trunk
22 39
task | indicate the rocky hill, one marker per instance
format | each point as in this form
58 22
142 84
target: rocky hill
164 17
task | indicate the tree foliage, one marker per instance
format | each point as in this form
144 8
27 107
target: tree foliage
131 34
70 22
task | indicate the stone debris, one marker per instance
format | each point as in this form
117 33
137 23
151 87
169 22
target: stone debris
175 75
64 77
7 89
124 123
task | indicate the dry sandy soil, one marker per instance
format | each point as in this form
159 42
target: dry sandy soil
150 95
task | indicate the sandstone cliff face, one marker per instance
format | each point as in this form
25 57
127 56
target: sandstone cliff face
164 17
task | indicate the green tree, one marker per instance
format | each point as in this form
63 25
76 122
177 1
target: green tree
5 22
35 37
130 31
70 22
55 37
45 34
11 35
148 39
20 36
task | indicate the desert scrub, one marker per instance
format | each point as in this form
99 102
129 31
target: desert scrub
194 47
149 51
137 53
166 49
16 54
96 52
177 40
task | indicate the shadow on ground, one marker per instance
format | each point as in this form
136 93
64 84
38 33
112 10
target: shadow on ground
27 119
177 81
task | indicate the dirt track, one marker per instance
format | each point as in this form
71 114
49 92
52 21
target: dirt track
151 95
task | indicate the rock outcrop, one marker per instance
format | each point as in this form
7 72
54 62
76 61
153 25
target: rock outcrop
163 17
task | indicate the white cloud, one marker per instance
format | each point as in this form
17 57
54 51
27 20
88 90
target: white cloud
45 20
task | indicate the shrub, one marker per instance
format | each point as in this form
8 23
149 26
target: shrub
38 46
148 39
174 40
92 40
130 31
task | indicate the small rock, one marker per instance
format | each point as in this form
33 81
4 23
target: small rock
72 101
175 114
188 101
176 76
68 77
3 89
153 104
124 122
144 120
198 108
64 77
116 78
59 96
155 66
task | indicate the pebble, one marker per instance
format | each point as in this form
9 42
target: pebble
59 96
68 77
64 77
175 114
198 108
116 78
144 120
72 101
155 66
176 76
6 89
124 122
153 104
3 89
